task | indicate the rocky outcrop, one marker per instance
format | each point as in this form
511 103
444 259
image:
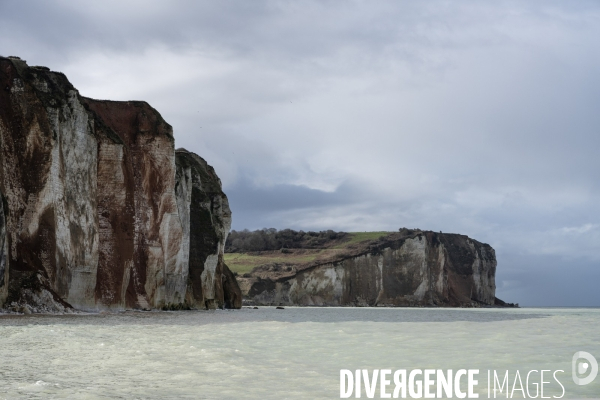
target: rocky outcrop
98 210
206 225
408 268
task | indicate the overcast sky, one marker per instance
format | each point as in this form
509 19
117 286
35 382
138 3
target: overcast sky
473 117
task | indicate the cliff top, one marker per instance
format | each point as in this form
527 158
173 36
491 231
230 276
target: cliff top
51 86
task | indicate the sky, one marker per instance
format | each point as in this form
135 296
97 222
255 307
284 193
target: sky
471 117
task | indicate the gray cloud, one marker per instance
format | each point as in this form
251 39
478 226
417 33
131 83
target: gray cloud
471 117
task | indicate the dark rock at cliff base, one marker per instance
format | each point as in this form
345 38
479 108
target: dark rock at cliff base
98 210
407 268
500 303
232 293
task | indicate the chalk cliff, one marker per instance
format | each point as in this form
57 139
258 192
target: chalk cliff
206 223
408 268
98 209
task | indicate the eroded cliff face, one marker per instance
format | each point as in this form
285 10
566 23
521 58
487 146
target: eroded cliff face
90 216
410 268
207 223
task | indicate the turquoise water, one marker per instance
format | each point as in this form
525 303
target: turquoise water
296 353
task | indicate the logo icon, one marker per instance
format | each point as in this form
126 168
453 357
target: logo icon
581 367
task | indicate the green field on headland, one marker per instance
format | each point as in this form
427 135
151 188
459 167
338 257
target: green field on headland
296 251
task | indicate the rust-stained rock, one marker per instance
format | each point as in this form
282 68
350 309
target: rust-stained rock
90 217
137 209
409 268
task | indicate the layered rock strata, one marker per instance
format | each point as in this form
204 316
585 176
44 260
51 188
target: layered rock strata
98 210
408 268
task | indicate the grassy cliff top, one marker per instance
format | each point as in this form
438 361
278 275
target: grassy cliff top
290 247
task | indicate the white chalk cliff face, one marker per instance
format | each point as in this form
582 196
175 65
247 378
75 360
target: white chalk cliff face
410 268
90 215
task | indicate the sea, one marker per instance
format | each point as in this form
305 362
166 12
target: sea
299 353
